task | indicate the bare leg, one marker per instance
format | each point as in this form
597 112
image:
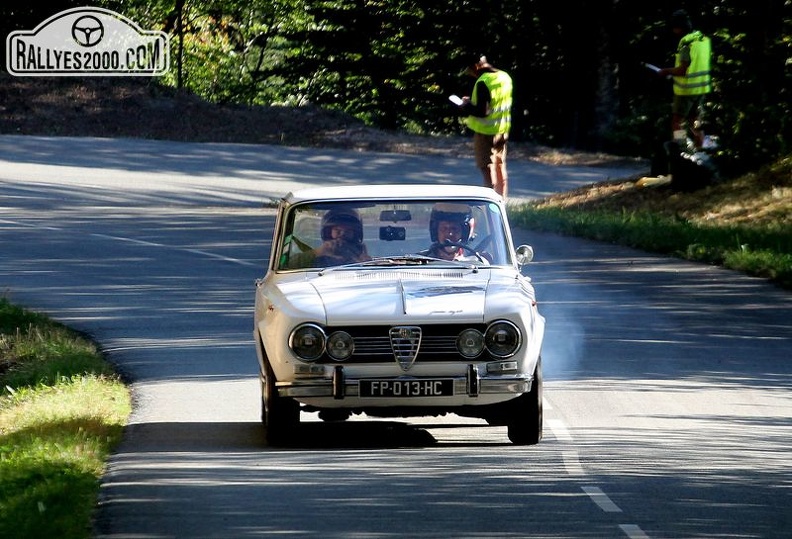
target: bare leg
500 179
482 147
486 175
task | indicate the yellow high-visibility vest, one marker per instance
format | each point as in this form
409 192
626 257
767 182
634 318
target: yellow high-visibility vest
498 121
698 80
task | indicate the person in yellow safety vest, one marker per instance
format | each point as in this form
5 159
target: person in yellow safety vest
488 112
692 78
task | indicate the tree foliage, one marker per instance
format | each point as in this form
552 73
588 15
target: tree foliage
577 67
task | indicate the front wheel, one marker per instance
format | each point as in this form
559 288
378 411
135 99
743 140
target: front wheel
279 415
525 417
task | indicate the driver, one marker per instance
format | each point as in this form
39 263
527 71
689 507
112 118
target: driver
450 228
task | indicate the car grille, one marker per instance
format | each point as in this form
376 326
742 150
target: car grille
373 344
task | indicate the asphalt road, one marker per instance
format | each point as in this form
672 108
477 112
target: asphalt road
668 407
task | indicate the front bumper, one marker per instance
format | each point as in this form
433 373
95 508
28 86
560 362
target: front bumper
473 384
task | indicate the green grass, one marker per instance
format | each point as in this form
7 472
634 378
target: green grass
744 224
62 410
761 252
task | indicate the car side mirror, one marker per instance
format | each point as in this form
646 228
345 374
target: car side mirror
524 254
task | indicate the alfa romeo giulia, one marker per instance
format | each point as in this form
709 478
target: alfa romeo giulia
398 301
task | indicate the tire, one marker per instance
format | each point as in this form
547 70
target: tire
279 415
525 418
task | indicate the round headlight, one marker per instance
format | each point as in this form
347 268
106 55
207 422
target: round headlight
502 339
340 345
308 342
470 343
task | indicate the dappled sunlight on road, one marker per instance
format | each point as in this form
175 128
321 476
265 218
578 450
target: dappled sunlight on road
244 174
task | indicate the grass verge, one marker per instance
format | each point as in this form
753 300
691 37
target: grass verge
744 224
62 410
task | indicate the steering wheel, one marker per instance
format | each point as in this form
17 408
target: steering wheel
465 247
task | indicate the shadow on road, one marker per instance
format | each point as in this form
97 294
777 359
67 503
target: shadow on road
247 436
220 437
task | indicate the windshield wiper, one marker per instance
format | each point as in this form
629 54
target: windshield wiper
401 260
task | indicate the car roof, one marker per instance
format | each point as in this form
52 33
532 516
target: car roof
392 191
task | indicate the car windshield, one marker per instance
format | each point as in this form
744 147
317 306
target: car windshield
329 234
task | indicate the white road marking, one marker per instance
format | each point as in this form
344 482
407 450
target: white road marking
570 456
193 251
128 240
140 242
221 257
574 468
559 430
572 463
602 499
633 532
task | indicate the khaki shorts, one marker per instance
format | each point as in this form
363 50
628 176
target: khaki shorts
489 149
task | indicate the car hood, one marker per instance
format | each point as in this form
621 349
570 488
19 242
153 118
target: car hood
414 296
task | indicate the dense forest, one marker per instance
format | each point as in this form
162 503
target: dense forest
578 67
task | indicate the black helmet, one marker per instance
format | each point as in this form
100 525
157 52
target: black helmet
455 213
473 58
342 216
681 19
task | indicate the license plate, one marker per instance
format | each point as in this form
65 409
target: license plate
406 388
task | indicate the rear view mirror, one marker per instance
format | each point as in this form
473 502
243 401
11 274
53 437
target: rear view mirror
394 216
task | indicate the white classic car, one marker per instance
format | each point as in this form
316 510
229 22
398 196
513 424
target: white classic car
398 301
